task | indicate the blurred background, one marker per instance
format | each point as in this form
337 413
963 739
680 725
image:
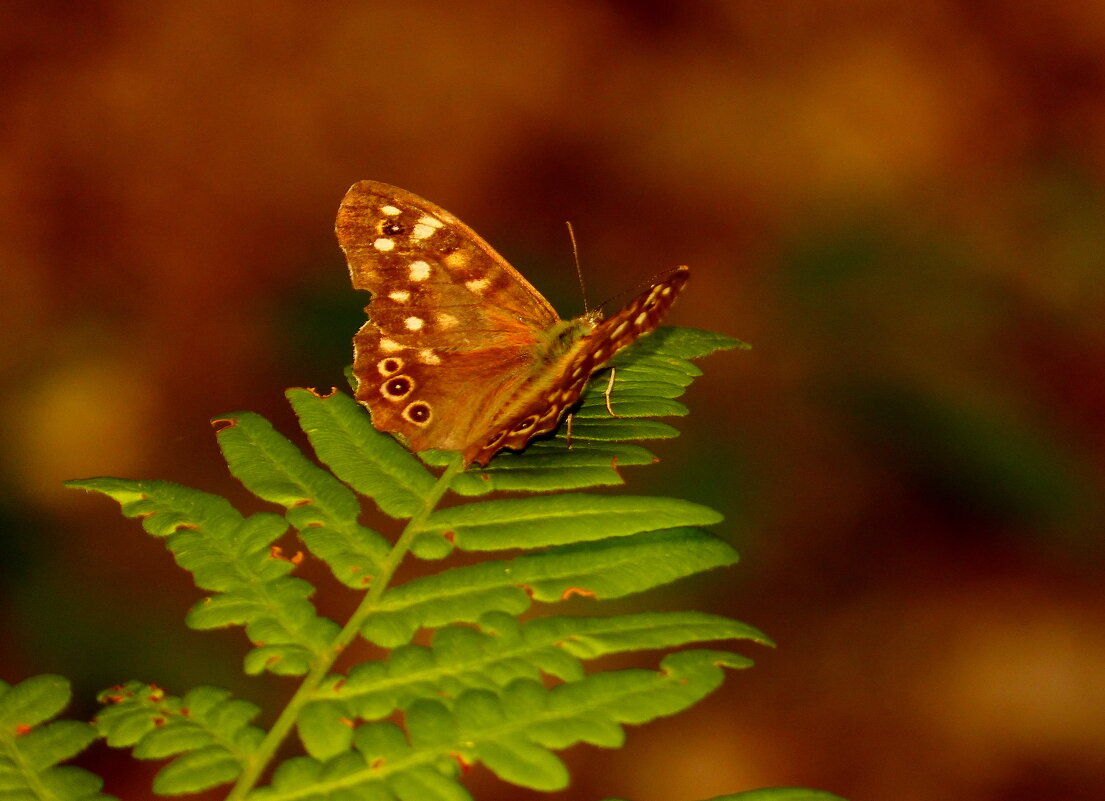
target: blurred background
901 205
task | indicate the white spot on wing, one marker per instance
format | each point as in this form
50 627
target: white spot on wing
477 285
457 259
384 244
413 323
427 356
390 211
421 231
389 345
640 319
400 295
433 222
446 320
419 271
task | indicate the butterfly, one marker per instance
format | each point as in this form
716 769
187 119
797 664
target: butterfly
460 352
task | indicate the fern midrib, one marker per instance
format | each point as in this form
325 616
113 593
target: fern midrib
433 674
306 692
528 649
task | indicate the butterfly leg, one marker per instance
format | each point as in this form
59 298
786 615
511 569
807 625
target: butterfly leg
568 433
609 389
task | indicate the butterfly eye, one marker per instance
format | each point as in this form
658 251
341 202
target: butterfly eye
389 366
526 424
398 387
390 228
418 412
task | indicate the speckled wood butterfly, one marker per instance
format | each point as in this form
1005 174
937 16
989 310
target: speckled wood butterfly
459 351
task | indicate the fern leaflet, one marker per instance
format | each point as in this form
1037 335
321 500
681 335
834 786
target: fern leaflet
32 745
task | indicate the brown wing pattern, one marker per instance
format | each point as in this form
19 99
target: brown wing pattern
396 242
452 328
539 407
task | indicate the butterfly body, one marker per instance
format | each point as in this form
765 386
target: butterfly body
459 351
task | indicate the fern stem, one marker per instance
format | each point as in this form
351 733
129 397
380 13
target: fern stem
322 665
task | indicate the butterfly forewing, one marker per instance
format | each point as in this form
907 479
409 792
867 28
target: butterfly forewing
451 326
412 254
459 351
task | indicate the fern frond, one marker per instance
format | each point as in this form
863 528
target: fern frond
31 747
602 570
207 732
477 692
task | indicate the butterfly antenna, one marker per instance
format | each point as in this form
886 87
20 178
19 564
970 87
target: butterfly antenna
579 267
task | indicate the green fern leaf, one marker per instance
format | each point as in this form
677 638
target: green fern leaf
513 732
207 731
538 471
607 569
500 651
372 463
383 768
322 508
780 794
231 556
639 405
678 345
31 747
552 520
609 429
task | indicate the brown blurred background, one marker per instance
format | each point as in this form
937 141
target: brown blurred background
901 205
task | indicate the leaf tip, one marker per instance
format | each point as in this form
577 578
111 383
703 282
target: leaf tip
276 552
314 391
223 423
570 591
464 764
